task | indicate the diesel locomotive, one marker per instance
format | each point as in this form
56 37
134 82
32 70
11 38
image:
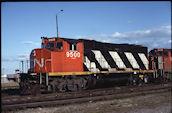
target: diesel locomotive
64 64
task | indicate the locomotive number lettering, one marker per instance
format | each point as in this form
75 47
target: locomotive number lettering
72 54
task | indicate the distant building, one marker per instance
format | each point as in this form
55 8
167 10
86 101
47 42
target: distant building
14 77
4 79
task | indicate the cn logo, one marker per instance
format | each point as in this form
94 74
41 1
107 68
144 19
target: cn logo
39 64
73 54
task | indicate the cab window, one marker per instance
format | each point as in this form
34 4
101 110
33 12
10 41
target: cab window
73 47
59 45
43 45
49 45
159 53
166 53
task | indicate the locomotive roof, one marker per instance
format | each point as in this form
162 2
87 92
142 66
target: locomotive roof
69 40
161 49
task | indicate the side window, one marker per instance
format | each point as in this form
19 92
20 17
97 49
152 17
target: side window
59 45
43 45
70 46
73 47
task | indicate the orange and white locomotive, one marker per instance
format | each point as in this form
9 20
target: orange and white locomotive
64 64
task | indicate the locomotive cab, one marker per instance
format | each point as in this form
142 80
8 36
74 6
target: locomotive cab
159 57
160 61
57 55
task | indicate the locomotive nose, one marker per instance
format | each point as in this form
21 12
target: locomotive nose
32 60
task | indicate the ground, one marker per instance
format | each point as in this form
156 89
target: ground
152 103
9 85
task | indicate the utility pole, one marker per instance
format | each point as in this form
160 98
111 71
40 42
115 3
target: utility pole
27 65
3 71
57 23
22 65
57 26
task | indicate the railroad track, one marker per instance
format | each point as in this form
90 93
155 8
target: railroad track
22 102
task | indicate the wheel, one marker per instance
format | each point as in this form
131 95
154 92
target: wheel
90 82
25 88
62 86
35 90
73 87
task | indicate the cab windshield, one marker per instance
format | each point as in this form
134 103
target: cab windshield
50 45
160 53
43 45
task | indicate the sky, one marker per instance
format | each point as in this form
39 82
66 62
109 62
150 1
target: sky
24 23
